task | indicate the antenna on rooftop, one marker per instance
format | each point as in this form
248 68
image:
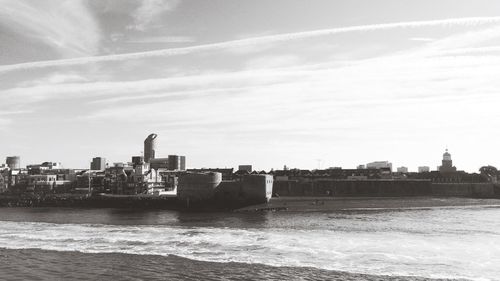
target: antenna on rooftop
319 163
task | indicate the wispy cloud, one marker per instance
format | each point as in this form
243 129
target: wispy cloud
471 51
250 41
422 39
66 26
463 40
17 112
149 13
162 39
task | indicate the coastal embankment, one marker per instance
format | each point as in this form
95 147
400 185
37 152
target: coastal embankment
383 188
325 204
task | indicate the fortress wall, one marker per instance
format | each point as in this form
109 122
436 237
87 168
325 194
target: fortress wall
487 190
353 188
250 188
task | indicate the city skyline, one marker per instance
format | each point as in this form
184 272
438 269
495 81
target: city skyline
398 81
150 149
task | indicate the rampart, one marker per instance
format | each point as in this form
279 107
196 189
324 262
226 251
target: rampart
383 188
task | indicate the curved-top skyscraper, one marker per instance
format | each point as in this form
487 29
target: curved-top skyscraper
150 147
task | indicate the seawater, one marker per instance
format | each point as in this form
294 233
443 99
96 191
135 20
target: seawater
448 243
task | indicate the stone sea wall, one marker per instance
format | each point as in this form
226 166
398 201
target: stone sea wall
384 188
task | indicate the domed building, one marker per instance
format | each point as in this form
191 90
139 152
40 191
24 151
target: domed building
447 164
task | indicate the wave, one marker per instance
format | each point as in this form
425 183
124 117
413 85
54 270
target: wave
375 253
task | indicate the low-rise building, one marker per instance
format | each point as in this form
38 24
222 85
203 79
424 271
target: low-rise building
424 169
379 165
403 170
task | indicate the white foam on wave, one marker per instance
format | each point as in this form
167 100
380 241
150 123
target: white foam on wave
371 252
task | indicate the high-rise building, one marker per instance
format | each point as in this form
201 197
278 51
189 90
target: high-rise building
183 163
174 162
150 147
98 164
158 163
13 162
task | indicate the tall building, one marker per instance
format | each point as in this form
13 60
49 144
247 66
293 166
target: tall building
183 163
447 163
174 162
150 147
98 164
158 163
13 162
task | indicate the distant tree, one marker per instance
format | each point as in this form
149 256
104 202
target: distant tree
489 172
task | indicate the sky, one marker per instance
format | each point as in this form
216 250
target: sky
303 83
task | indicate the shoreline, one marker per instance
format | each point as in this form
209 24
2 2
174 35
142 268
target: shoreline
287 204
325 204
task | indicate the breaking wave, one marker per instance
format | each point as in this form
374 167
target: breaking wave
369 250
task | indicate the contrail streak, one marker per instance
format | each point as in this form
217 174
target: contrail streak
247 42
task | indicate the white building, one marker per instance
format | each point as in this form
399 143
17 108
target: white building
403 170
424 169
379 165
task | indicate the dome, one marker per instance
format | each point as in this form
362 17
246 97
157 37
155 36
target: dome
446 155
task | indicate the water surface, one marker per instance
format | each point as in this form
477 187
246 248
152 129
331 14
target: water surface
454 243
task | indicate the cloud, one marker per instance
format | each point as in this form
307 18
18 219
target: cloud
53 79
470 51
272 61
250 42
66 26
463 40
162 39
7 113
149 13
286 105
422 39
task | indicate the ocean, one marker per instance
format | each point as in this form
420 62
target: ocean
116 244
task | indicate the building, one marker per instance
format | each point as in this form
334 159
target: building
3 182
183 163
158 163
41 183
36 169
361 167
150 147
447 164
174 162
137 160
98 164
403 170
379 165
227 173
13 162
424 169
247 168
